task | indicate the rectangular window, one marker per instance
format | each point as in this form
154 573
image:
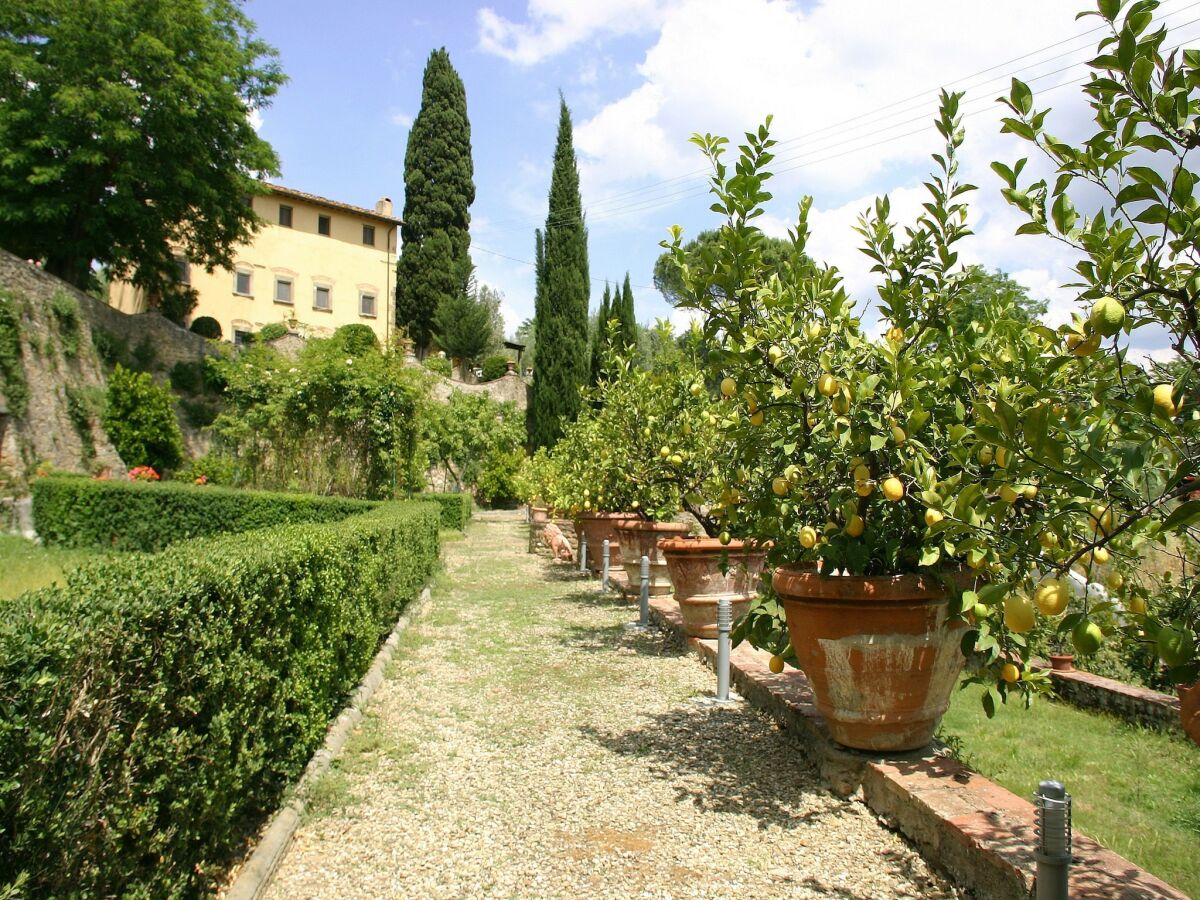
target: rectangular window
285 216
242 338
369 235
323 298
323 225
241 283
366 305
283 290
183 270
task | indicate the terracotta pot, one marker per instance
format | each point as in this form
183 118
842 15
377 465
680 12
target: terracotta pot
880 653
640 539
1189 710
695 567
538 515
1062 662
599 527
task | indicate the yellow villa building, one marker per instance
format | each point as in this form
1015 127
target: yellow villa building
314 265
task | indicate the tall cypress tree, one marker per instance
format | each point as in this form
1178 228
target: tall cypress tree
561 318
624 311
600 341
439 189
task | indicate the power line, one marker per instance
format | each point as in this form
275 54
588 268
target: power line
533 265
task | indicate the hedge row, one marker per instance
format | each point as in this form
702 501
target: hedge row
153 711
132 515
456 508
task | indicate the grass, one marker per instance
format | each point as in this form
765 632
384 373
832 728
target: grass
1136 791
26 566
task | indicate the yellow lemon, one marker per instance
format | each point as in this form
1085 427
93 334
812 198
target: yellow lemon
1137 604
697 388
898 435
1008 493
1081 345
813 330
1107 317
1087 637
757 419
1029 491
841 403
664 451
808 537
864 488
856 526
728 386
1018 613
985 455
862 473
1115 581
1051 596
676 459
827 385
725 537
1048 540
792 473
1101 518
895 335
776 664
932 517
774 353
780 486
1164 400
893 488
1010 673
1100 556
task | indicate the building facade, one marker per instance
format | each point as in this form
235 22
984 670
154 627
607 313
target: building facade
314 265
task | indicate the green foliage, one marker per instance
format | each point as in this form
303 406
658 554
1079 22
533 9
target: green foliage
207 327
356 339
117 102
213 468
439 188
984 290
188 377
328 422
462 326
561 301
198 411
206 676
496 485
669 276
494 366
109 347
626 335
65 310
454 509
600 335
80 410
144 355
12 367
470 433
270 332
439 365
148 516
140 421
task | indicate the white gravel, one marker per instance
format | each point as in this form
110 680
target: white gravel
526 745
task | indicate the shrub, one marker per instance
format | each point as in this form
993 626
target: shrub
65 310
140 421
497 483
494 367
455 508
199 413
271 331
356 339
187 377
213 468
82 512
439 365
143 356
12 367
154 710
207 327
109 347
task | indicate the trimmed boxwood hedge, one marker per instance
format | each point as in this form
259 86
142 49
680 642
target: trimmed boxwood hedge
153 710
456 508
138 515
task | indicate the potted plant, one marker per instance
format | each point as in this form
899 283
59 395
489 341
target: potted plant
879 460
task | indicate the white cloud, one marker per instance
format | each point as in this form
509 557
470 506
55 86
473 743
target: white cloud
256 119
401 119
557 25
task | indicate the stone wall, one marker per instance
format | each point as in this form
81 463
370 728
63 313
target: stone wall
1125 701
509 387
60 423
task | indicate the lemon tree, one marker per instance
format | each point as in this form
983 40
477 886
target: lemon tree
1130 451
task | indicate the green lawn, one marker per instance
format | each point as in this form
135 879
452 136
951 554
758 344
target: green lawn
1134 790
25 565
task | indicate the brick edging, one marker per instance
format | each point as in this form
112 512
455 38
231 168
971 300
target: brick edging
255 874
977 831
1125 701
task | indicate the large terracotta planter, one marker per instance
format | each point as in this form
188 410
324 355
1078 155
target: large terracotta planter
1189 710
1062 662
702 570
599 527
640 539
880 653
538 515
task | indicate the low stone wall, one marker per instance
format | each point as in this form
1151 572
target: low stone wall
977 831
1125 701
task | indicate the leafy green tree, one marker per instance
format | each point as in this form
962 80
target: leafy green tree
125 135
626 333
776 253
527 335
600 341
983 288
463 327
469 434
492 298
439 189
561 305
140 421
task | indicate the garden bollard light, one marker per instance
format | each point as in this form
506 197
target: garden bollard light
583 553
1053 805
644 596
724 624
604 568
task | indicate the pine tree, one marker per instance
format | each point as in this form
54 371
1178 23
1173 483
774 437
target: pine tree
439 189
626 333
600 341
561 308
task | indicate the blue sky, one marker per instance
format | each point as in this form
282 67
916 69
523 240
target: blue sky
852 86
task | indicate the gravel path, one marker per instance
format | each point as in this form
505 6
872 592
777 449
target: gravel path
526 745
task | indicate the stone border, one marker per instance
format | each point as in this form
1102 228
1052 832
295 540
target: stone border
1125 701
981 834
255 873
